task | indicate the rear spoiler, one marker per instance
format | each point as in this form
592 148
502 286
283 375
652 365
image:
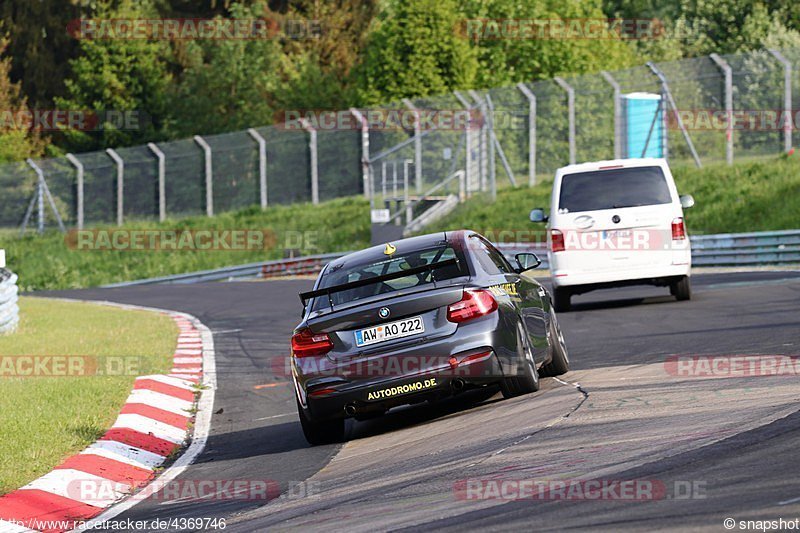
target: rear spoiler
305 296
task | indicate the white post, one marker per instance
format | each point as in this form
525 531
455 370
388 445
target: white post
467 139
728 73
571 116
162 186
262 165
209 171
364 149
417 145
483 139
312 147
617 113
120 183
79 186
531 132
787 99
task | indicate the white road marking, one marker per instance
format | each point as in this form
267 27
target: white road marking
80 486
148 426
124 453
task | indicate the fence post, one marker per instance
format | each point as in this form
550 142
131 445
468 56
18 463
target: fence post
617 113
531 132
364 149
666 97
312 147
79 186
262 165
467 139
787 99
120 183
209 171
571 115
417 145
483 144
162 186
726 71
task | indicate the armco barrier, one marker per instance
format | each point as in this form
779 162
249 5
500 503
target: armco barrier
9 310
727 249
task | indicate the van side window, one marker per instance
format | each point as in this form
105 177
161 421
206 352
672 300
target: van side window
490 259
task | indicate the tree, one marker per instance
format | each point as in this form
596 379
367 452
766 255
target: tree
227 84
415 51
40 47
17 140
120 75
505 58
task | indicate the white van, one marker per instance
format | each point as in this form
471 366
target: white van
616 223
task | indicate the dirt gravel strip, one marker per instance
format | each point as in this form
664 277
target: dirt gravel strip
161 415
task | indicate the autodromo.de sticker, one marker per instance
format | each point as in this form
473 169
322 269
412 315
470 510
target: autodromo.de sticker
391 392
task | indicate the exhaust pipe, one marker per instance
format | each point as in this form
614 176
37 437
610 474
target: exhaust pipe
350 409
457 384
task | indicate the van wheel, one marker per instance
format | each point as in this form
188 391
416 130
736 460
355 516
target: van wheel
561 300
681 289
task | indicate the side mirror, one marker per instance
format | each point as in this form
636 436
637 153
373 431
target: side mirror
527 261
537 215
687 201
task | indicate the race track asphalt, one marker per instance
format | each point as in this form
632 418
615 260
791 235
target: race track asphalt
619 414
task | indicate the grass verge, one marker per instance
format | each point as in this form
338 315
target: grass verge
45 419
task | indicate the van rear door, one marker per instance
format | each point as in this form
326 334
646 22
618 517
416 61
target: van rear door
616 218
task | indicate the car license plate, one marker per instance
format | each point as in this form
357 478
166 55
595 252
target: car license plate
392 330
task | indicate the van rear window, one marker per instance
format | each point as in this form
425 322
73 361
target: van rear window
613 188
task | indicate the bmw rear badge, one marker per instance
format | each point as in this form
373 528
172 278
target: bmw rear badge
384 312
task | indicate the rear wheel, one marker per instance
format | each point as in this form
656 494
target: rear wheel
320 431
527 379
559 363
681 289
561 299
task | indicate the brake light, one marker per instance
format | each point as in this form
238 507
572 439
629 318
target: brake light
307 344
678 229
556 240
474 303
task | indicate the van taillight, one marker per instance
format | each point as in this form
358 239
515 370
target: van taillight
307 344
678 229
556 240
474 303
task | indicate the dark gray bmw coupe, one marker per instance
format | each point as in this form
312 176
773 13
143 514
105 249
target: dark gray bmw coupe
419 319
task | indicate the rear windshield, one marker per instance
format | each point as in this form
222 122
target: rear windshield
613 188
390 265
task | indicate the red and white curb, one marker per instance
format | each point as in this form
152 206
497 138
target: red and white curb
158 418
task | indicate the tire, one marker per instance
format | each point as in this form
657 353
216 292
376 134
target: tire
559 363
561 300
528 379
681 289
320 432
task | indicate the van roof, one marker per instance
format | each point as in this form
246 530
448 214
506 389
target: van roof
623 163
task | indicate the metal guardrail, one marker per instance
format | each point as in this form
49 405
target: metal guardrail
264 269
727 249
9 310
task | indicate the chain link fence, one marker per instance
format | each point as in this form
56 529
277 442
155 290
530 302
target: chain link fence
710 109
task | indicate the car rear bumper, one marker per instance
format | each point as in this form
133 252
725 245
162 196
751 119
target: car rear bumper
645 275
376 397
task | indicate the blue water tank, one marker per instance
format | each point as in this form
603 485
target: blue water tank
638 113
